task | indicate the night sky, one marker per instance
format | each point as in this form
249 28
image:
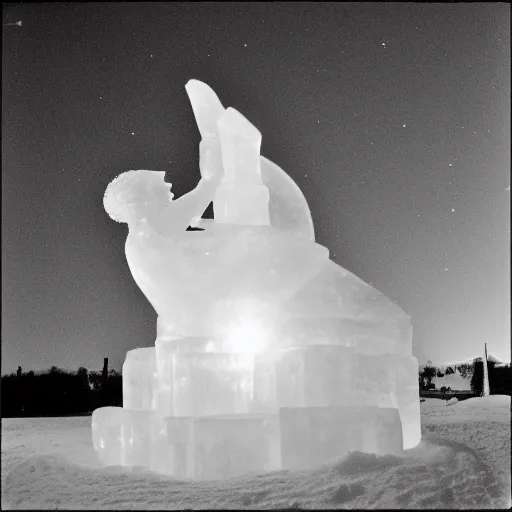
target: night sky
394 119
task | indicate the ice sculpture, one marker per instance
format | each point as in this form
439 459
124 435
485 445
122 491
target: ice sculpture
268 355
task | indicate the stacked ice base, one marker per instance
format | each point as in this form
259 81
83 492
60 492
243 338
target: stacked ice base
194 411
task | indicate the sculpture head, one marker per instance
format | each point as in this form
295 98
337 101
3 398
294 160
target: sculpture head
136 195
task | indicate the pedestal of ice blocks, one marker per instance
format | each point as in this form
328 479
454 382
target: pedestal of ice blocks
312 436
204 414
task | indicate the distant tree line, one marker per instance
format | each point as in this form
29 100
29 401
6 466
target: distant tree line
57 392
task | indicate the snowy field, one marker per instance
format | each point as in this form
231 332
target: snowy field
462 462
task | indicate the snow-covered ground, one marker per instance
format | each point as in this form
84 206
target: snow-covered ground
462 462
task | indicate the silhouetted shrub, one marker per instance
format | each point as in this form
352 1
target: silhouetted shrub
500 379
427 373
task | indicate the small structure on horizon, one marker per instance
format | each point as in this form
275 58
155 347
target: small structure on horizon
486 389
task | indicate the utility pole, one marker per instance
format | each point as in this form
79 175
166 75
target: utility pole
104 387
486 390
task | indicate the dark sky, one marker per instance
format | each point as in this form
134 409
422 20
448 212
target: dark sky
393 118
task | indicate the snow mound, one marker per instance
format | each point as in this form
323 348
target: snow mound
431 475
357 462
487 408
487 402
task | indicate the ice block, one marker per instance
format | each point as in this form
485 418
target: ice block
216 447
391 381
194 381
312 436
408 401
139 379
212 384
122 437
171 443
107 438
314 376
265 390
165 349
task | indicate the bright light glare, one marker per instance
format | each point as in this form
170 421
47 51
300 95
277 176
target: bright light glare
246 336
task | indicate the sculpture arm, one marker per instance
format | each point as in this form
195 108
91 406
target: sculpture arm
175 217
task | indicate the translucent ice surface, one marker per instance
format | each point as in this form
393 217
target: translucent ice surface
268 355
122 437
314 376
311 436
280 263
390 381
211 384
139 379
216 446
